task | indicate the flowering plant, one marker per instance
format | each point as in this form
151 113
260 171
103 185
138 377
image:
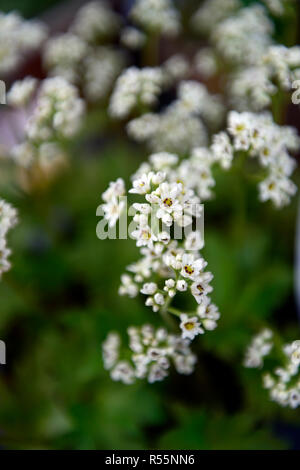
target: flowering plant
200 131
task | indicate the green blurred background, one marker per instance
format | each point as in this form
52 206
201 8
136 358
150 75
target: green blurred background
60 299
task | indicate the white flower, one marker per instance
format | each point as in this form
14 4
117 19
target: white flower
169 205
222 150
123 372
194 241
209 314
144 236
239 125
294 398
112 210
142 185
201 287
190 326
115 189
191 268
276 189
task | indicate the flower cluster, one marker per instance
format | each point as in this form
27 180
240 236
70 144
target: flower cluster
152 352
113 207
17 37
256 135
95 20
283 382
22 92
171 263
135 88
80 56
253 87
244 37
260 347
179 127
156 16
133 38
212 12
8 219
56 113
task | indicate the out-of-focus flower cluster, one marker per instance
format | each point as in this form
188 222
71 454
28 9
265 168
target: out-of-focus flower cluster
152 352
242 36
18 37
181 126
8 219
283 382
81 54
156 16
53 115
135 88
260 347
257 135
